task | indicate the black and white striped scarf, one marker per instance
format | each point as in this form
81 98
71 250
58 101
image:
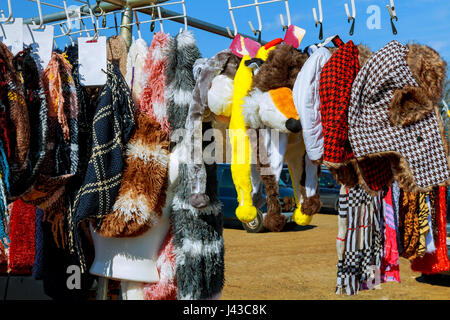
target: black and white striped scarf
360 241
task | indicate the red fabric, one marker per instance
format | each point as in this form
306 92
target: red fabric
335 87
390 270
22 247
376 172
437 261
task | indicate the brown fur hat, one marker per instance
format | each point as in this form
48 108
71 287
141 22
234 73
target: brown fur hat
280 69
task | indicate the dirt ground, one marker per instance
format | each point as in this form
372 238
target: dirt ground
301 264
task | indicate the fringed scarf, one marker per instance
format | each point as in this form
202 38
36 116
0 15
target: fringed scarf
60 162
18 123
437 261
198 240
35 100
112 129
360 240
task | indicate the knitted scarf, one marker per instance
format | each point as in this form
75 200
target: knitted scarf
22 229
112 128
35 100
60 162
18 123
382 126
198 241
360 240
437 261
116 50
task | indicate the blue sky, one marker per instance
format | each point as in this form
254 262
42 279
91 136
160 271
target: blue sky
422 21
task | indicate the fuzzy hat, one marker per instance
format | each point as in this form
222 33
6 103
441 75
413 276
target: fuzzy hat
393 115
117 51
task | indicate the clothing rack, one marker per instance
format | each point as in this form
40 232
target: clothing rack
126 6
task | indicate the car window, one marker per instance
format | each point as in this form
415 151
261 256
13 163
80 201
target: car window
326 179
285 178
227 179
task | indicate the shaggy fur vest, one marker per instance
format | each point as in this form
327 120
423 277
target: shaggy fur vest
198 240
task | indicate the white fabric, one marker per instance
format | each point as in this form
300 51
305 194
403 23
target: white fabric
312 177
307 102
429 238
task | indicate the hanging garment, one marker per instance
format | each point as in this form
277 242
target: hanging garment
18 123
112 128
153 100
205 72
4 189
430 237
361 215
166 288
307 101
198 239
117 51
409 223
436 262
390 116
424 228
38 271
35 100
395 196
22 247
138 206
135 76
390 262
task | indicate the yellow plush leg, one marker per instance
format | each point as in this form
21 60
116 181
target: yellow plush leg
240 143
294 157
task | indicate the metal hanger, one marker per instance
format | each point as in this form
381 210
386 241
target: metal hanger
393 14
9 18
351 17
320 20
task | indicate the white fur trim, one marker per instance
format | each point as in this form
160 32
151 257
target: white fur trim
270 115
136 58
139 150
182 97
220 95
250 109
185 38
132 206
160 111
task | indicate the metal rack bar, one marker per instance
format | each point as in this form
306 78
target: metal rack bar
115 5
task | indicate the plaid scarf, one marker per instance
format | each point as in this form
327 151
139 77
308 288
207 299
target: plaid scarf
423 160
360 240
112 128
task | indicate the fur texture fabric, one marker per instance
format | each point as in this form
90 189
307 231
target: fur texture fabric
135 76
280 69
198 240
166 288
220 95
206 71
116 51
153 100
142 193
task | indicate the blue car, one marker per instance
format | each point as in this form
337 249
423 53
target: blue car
328 190
228 196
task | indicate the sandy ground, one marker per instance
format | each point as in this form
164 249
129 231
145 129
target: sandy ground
300 263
